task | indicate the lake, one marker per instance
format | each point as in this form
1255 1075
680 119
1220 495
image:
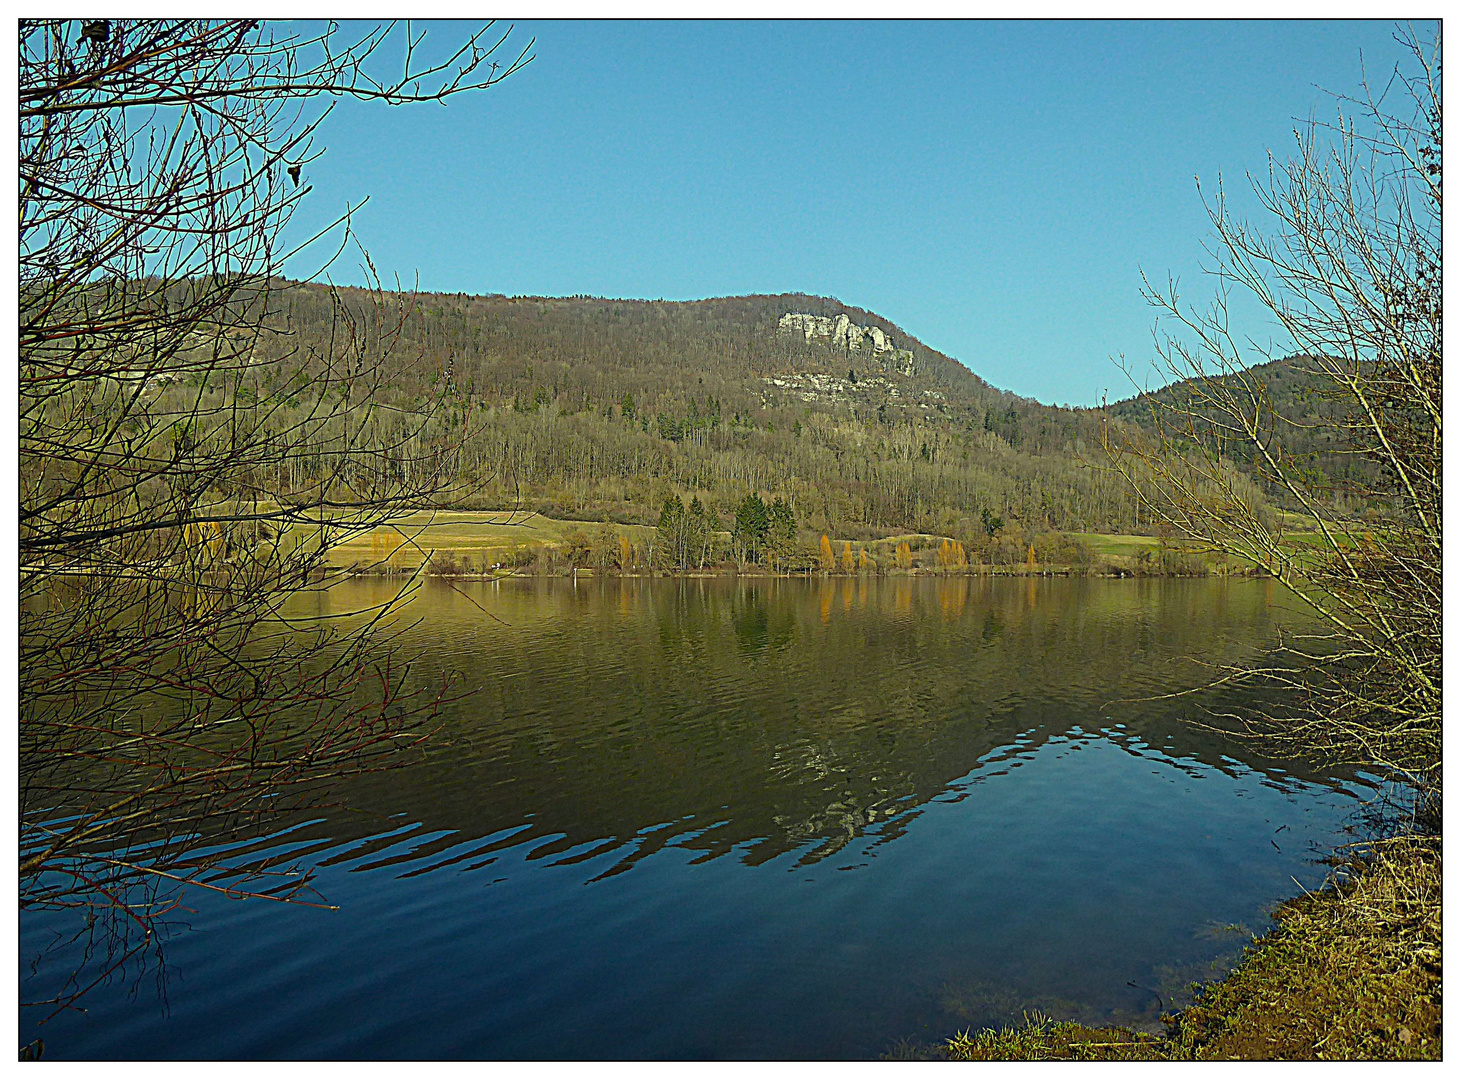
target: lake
836 818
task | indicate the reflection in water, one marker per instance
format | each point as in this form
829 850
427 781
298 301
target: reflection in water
767 818
742 702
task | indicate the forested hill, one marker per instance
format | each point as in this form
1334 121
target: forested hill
597 408
1305 421
670 348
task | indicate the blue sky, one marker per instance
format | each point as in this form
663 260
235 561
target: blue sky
993 188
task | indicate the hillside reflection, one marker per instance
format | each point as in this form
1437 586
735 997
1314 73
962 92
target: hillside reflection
761 716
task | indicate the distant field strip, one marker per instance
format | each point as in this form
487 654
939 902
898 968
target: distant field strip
474 539
479 540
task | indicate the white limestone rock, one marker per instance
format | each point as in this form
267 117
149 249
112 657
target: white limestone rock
842 332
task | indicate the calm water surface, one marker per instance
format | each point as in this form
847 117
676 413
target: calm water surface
824 819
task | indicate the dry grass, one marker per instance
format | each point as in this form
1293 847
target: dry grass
1043 1039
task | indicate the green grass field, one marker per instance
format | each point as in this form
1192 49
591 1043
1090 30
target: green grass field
1107 545
475 539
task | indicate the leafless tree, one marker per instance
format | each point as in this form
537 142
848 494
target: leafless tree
1349 266
185 466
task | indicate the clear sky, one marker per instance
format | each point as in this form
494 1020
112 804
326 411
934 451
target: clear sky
993 188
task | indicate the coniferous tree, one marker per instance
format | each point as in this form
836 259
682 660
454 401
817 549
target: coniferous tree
669 534
751 527
780 531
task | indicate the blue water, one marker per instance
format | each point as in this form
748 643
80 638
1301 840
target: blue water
1076 863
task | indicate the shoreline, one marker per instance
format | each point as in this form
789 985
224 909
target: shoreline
987 571
1350 972
473 544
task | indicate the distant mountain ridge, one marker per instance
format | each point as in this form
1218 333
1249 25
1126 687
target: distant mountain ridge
1311 434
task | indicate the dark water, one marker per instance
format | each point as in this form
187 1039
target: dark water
818 819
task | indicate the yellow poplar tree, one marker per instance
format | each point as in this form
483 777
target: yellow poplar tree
828 562
1030 559
626 553
904 555
862 563
848 564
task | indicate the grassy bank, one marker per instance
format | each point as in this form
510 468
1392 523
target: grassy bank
1352 972
472 542
476 543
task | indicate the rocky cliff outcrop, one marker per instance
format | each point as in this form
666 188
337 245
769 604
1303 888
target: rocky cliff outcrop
843 333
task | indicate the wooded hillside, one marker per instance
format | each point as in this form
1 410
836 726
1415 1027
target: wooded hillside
600 409
603 410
